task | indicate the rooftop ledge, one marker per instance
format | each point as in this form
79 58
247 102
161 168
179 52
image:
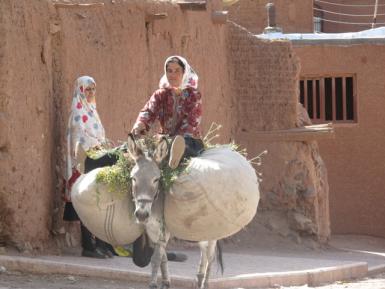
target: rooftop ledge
372 36
306 133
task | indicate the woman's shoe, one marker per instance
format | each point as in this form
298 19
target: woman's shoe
177 150
176 257
122 251
105 252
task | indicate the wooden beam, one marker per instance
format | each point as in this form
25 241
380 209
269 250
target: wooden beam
78 5
155 16
192 5
306 133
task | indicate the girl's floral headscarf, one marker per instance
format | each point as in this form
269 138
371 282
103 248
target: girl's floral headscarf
84 125
190 78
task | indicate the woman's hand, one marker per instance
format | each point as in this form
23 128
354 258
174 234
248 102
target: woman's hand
109 144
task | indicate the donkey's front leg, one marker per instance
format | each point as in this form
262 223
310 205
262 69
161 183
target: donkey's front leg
164 267
155 264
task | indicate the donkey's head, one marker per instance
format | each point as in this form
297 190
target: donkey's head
145 176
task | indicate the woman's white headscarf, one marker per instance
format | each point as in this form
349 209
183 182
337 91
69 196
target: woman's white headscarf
84 125
190 78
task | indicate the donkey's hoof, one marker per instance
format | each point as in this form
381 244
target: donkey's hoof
165 285
153 286
200 278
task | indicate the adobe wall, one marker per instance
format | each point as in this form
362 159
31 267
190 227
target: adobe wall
44 49
27 122
293 16
294 188
248 85
355 158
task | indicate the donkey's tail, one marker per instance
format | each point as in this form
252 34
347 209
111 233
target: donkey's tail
219 256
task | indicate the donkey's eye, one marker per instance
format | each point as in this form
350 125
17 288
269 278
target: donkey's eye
156 180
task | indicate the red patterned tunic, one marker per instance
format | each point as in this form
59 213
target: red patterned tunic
178 114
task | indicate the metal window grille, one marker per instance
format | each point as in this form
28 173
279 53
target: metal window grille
329 99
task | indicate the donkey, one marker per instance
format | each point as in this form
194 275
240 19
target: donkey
149 205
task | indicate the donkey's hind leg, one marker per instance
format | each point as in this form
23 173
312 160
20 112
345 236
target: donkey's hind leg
203 245
207 258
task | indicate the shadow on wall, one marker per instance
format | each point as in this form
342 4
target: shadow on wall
5 214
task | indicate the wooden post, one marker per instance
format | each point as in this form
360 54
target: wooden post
322 98
314 99
333 98
344 99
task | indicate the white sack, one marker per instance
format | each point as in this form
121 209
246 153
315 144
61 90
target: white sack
216 197
108 216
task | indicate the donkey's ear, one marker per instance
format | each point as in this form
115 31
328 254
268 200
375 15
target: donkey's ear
132 147
161 151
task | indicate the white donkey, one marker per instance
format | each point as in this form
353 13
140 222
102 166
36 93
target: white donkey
149 205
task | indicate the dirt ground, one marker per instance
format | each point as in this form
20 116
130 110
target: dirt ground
13 280
267 240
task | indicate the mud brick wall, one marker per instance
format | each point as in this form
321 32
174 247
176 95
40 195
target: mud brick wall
294 188
43 49
26 122
264 75
248 85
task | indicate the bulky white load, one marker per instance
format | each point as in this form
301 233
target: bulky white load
216 197
107 215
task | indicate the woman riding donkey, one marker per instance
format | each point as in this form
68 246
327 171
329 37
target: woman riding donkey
177 105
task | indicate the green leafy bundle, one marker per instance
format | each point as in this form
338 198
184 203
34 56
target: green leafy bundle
117 177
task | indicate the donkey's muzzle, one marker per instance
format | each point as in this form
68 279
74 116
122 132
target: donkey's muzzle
142 215
143 209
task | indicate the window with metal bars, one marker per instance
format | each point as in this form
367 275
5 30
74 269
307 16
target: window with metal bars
329 99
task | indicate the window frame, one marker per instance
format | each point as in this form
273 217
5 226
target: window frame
322 98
